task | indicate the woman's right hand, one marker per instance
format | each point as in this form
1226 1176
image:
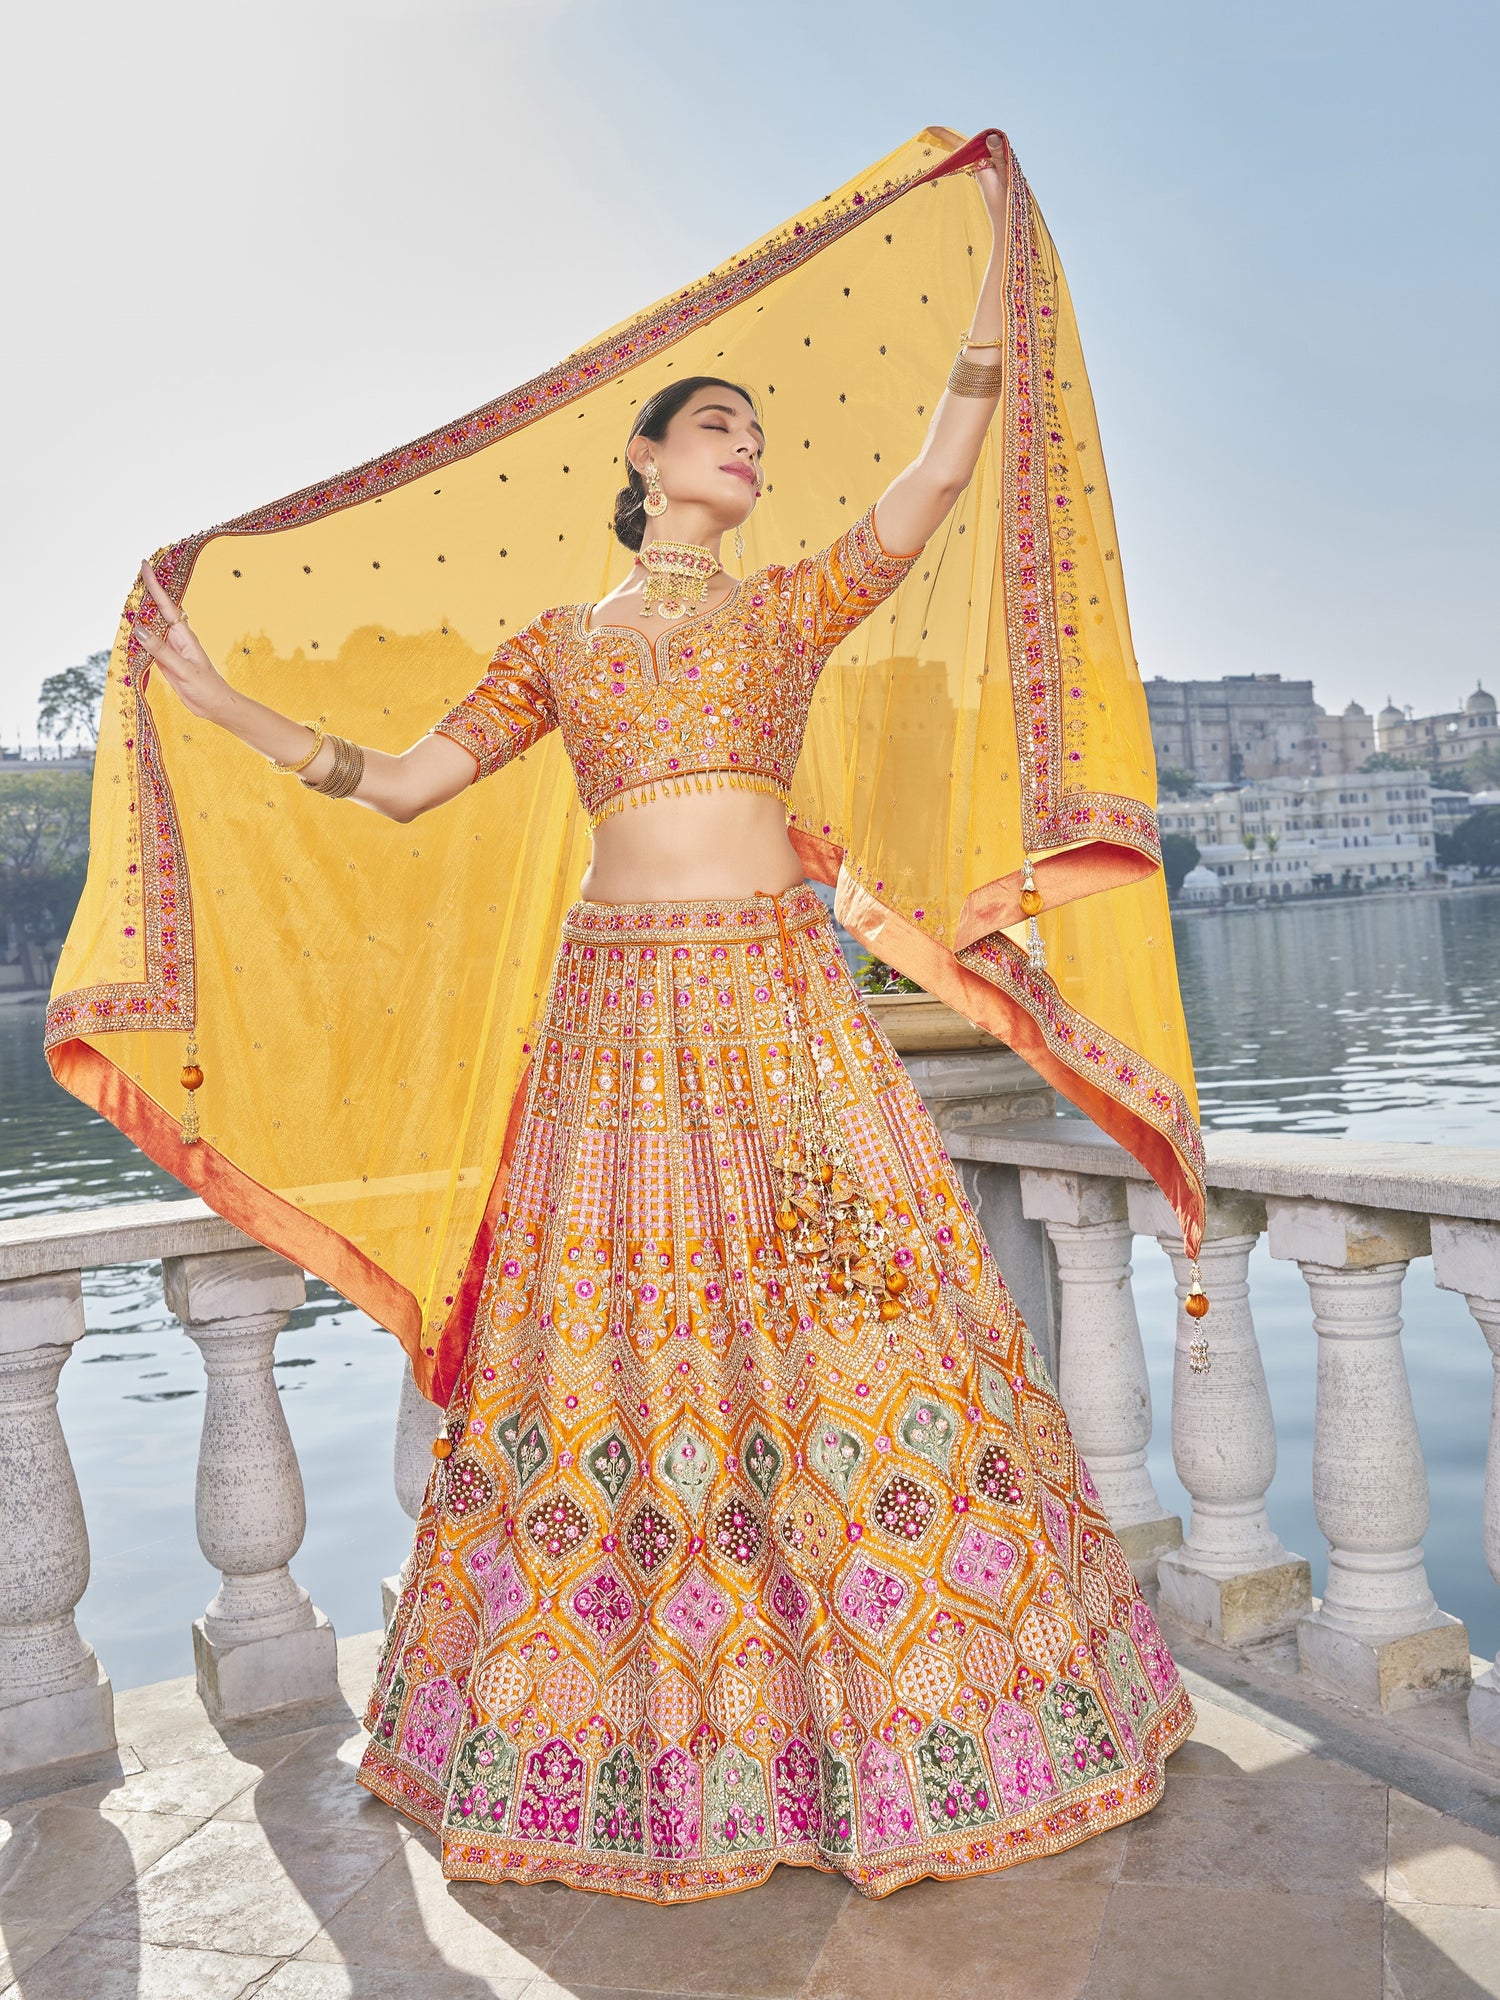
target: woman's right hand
188 670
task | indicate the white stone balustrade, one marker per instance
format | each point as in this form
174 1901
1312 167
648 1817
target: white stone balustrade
1466 1258
1378 1631
1231 1580
1352 1216
55 1698
1101 1380
262 1642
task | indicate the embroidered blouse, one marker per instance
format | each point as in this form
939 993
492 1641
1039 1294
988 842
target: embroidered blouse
722 695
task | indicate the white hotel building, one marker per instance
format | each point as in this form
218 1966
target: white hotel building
1288 836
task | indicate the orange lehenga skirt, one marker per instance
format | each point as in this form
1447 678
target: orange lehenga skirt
761 1536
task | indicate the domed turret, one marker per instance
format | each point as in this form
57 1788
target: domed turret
1201 885
1390 714
1354 709
1480 702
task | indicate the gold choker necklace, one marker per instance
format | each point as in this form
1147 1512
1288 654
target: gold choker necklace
677 576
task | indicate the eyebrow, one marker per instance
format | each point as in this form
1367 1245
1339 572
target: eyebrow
703 409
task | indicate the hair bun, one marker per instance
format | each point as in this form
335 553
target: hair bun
630 512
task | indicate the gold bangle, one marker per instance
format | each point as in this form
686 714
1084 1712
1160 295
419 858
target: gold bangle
348 769
971 378
290 770
969 341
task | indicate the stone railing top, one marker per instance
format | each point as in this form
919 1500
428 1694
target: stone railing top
81 1239
1422 1179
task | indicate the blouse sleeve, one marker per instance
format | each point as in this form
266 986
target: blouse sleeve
832 592
509 710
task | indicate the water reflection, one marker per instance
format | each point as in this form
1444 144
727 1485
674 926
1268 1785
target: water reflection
1379 1017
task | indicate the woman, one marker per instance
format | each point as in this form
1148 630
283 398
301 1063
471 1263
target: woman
757 1533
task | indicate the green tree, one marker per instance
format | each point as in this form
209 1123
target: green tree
1179 856
1390 760
1482 771
1175 783
68 708
44 836
1477 841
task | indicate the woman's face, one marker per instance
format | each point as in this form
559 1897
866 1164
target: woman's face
710 456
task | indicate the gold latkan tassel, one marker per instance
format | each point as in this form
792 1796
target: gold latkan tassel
1195 1305
1036 951
191 1079
829 1220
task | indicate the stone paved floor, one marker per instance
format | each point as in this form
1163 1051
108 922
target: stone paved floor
209 1869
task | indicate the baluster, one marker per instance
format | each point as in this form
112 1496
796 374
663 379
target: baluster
1378 1634
1102 1381
261 1642
1466 1258
1231 1580
55 1698
417 1424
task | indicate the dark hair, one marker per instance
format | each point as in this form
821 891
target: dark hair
656 413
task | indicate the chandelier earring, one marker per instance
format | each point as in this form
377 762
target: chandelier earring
655 502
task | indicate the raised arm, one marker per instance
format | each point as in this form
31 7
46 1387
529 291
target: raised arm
399 786
917 500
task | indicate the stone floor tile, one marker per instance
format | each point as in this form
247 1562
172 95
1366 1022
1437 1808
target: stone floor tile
48 1781
165 1722
409 1918
21 1945
1226 1742
309 1780
996 1937
1234 1944
307 1979
96 1968
1258 1833
250 1889
60 1865
1434 1859
1436 1952
194 1787
546 1988
757 1942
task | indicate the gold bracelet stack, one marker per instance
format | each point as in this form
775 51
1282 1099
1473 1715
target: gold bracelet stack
348 769
973 378
290 770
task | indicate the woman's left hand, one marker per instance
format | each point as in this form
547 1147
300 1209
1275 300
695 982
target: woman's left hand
993 176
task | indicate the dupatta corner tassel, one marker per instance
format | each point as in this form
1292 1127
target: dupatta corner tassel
1195 1305
1031 909
191 1078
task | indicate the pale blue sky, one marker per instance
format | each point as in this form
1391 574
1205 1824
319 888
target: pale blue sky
1278 222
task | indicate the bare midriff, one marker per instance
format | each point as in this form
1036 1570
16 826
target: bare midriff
692 845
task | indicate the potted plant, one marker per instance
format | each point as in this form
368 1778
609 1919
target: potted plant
915 1021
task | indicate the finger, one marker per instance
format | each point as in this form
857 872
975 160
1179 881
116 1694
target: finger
164 603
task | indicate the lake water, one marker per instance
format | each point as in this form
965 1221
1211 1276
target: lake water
1378 1019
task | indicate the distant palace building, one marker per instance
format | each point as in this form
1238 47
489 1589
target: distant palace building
1287 836
1253 726
1445 742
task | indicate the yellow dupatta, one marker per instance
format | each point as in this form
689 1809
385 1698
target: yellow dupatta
362 993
